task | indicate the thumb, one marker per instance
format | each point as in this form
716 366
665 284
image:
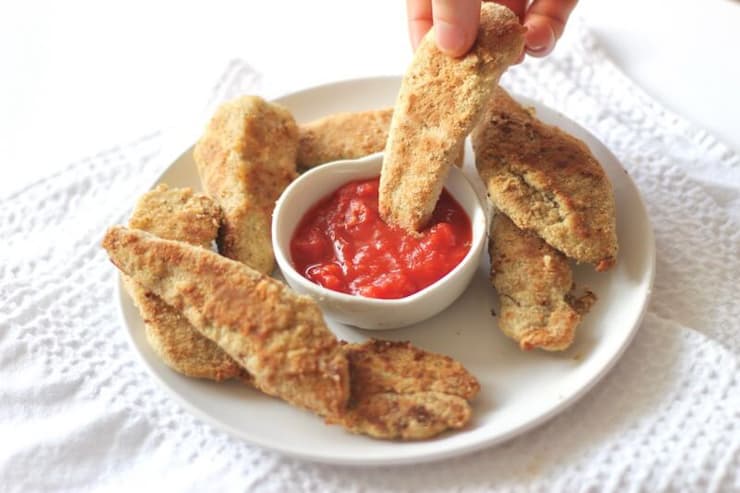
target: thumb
455 24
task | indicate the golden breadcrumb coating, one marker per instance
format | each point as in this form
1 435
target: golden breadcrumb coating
399 391
245 159
534 283
343 136
179 214
546 181
383 389
398 366
417 416
177 343
279 337
440 100
346 136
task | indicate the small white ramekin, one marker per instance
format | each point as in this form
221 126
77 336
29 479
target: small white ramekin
359 311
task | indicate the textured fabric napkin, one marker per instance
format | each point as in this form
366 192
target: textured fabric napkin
78 411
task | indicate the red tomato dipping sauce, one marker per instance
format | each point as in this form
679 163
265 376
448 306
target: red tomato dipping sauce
342 244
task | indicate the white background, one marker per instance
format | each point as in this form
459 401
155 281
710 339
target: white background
78 77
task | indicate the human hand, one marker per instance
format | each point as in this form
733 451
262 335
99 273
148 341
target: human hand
456 22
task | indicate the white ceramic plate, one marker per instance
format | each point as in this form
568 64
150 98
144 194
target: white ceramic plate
518 390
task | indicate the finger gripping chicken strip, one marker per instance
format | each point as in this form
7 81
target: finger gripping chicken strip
279 337
245 159
534 283
343 136
546 181
398 391
440 100
179 214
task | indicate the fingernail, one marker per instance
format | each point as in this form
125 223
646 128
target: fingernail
450 38
539 50
536 47
539 42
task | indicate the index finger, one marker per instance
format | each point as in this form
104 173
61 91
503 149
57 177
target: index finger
419 13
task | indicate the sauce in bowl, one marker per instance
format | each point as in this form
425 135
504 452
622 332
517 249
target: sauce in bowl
341 243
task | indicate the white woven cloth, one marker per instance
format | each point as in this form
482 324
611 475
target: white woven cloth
78 411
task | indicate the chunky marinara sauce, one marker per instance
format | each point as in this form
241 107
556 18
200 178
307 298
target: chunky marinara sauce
343 244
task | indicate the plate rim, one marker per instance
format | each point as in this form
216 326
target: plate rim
170 158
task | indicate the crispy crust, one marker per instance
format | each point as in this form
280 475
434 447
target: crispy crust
343 136
245 159
546 181
399 391
414 416
279 337
346 136
440 100
398 366
177 343
384 389
534 283
179 214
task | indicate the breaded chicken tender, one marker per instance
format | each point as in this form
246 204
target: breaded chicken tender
245 159
279 337
546 181
440 100
179 214
402 392
534 283
383 389
343 136
346 136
